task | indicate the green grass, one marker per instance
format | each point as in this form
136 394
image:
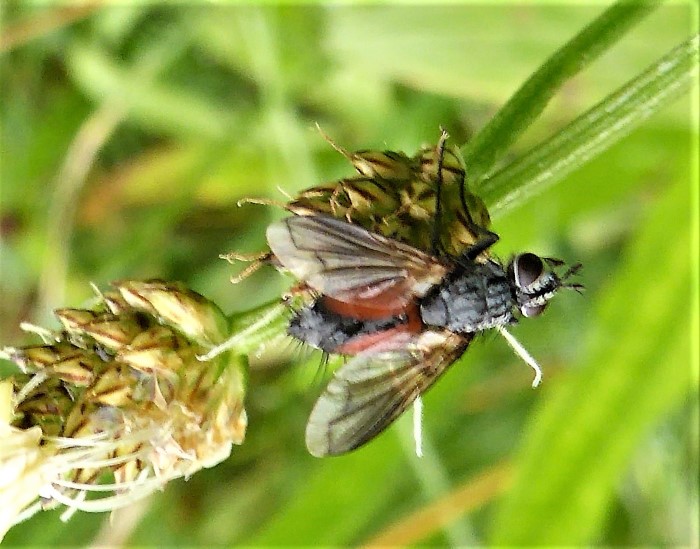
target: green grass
578 129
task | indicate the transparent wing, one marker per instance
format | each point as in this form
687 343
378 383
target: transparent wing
369 392
348 263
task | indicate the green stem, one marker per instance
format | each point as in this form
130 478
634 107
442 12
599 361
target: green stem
484 151
253 329
594 131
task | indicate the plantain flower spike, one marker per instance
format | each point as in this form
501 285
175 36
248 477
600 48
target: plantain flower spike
118 402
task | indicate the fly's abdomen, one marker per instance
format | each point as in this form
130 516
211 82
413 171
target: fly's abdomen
323 329
477 297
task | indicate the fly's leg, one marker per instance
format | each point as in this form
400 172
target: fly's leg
485 239
440 151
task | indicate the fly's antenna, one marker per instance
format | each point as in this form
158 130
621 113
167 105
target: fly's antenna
522 353
440 151
576 286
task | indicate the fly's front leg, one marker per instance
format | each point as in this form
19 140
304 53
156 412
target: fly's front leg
484 240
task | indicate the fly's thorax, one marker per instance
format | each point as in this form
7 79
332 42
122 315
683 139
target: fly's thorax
480 295
474 297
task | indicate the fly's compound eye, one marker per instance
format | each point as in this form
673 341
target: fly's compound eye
528 273
534 281
527 268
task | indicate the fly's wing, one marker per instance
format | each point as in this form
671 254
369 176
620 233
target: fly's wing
374 388
350 264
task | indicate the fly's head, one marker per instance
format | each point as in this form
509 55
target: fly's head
536 279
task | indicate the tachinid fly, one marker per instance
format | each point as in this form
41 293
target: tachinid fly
402 314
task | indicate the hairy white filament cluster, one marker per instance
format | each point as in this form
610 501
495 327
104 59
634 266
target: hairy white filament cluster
37 471
61 457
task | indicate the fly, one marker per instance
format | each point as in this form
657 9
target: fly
403 315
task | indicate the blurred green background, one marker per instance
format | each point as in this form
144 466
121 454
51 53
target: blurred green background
130 132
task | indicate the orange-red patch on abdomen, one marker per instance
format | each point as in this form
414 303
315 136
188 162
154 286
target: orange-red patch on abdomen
390 338
364 309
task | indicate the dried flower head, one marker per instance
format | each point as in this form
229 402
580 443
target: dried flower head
118 402
395 195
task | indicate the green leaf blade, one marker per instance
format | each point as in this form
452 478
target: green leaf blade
594 131
493 141
637 370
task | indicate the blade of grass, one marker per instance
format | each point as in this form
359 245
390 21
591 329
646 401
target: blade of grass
637 370
491 143
594 131
94 133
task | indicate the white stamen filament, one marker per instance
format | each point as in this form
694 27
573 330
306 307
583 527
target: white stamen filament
143 486
68 513
88 461
149 480
88 442
111 487
522 353
28 513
